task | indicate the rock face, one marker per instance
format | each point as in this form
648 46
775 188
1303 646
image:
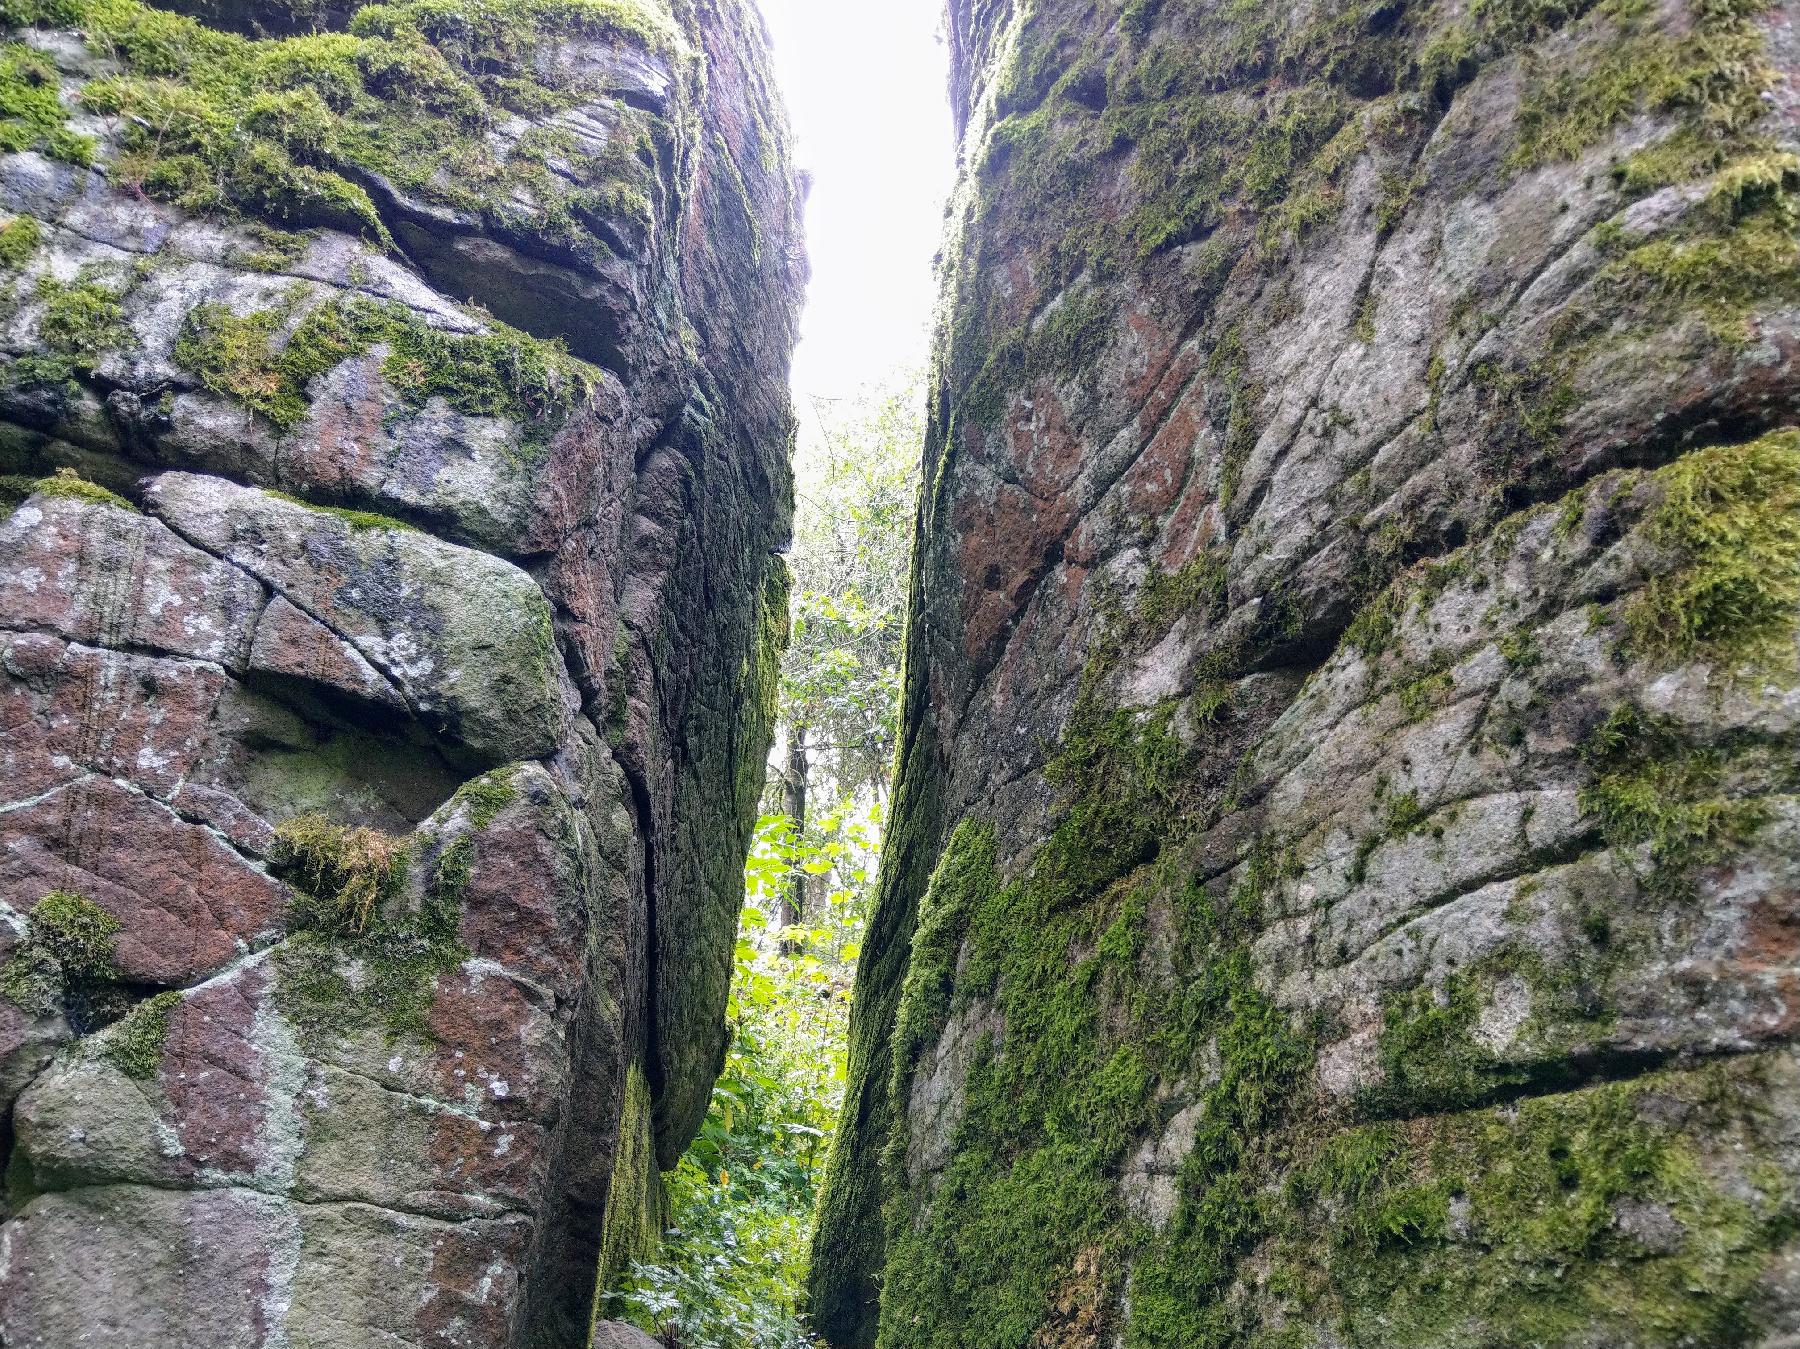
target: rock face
393 408
1344 882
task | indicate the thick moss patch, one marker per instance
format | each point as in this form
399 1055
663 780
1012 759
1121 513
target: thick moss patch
66 959
1731 516
267 358
288 130
368 940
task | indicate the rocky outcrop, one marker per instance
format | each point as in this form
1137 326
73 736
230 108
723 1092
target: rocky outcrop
393 402
1342 886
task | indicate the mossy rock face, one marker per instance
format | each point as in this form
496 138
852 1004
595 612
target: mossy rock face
1347 778
393 476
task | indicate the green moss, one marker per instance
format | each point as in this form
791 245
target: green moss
82 319
632 1226
1373 627
1686 805
366 946
1424 693
1430 1057
135 1044
1715 71
964 882
69 485
67 954
20 237
266 360
1197 586
344 875
1730 515
78 932
358 521
1540 1255
487 795
283 129
14 489
31 111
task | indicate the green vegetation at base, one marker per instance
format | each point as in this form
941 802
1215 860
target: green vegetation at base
740 1203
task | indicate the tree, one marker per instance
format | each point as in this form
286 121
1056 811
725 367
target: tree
858 488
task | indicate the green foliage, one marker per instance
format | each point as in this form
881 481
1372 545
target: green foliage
857 482
742 1198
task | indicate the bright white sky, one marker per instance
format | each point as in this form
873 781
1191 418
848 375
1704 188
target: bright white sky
864 81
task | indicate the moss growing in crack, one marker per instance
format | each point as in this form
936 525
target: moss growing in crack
267 358
134 1044
345 875
1198 585
1731 516
1430 1057
358 521
69 485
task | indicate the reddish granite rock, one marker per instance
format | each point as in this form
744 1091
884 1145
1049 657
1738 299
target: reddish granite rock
377 575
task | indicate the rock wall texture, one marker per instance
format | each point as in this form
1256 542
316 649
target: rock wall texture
1344 886
394 405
